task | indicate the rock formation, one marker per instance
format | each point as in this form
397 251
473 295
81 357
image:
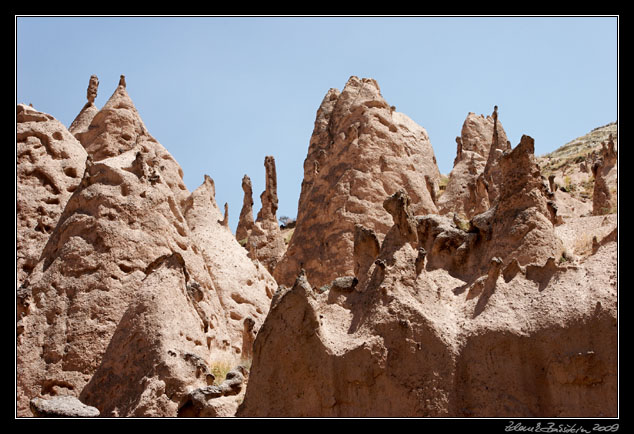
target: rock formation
394 300
245 223
360 152
479 313
244 288
88 112
479 146
50 164
62 406
139 288
265 242
605 174
412 341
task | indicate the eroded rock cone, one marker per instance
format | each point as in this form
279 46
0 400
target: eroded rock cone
466 193
122 270
361 151
244 288
83 120
410 340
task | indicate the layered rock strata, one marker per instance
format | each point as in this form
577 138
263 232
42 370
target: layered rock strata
361 151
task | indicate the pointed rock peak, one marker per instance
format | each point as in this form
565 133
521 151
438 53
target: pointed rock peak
356 82
526 146
120 98
245 222
478 133
81 123
115 129
208 187
362 90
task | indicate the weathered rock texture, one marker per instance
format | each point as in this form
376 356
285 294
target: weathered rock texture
88 112
244 288
265 241
605 175
50 164
245 222
139 288
517 341
569 172
216 400
481 142
360 152
62 406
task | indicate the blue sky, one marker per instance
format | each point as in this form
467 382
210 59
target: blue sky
221 93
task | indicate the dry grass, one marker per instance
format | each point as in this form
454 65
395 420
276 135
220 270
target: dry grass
219 370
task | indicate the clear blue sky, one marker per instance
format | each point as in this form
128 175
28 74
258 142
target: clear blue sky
221 93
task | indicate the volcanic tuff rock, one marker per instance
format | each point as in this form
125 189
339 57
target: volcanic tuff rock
245 222
466 192
414 340
488 316
88 112
494 299
605 173
128 280
360 152
265 242
569 171
244 288
50 163
62 406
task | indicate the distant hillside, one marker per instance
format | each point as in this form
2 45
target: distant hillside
577 150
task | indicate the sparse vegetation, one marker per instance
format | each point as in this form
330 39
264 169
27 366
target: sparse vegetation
442 184
288 235
219 370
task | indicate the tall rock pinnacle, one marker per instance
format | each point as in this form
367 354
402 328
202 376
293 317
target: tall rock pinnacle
245 223
361 151
88 112
265 242
269 195
481 142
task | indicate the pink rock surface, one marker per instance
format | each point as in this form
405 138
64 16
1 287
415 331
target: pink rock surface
361 151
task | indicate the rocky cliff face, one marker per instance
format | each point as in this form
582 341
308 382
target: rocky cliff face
479 146
50 164
479 309
361 151
497 298
409 339
137 273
